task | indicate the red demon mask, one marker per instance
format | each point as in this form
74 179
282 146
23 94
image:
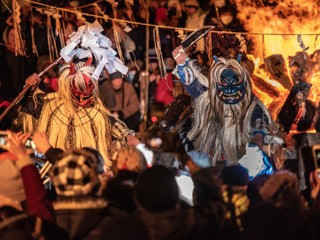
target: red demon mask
83 97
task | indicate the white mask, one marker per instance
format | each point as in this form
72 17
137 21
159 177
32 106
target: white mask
226 20
220 3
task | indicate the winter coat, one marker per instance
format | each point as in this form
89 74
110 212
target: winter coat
84 218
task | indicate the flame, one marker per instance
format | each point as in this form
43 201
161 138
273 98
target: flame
279 23
267 100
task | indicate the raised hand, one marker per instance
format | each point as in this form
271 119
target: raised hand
41 141
180 57
33 80
15 145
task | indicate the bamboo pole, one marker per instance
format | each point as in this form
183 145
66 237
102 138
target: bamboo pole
147 68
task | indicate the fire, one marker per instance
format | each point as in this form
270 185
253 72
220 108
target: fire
261 73
281 22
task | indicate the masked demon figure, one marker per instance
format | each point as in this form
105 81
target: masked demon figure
74 116
226 115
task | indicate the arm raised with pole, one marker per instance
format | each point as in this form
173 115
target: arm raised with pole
25 90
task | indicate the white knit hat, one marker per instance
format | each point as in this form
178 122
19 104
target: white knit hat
11 184
173 3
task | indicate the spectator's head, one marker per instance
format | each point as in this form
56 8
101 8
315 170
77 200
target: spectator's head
281 190
161 17
9 36
91 9
142 12
255 185
128 158
39 20
156 190
200 58
154 4
11 185
76 174
227 14
99 158
173 4
24 8
206 186
116 80
167 159
153 60
70 28
219 3
192 6
42 63
127 164
168 60
234 176
110 34
170 63
173 17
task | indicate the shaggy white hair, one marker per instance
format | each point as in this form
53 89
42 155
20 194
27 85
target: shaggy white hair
222 127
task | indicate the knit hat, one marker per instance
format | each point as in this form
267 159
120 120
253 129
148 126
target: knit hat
115 75
75 173
11 184
234 176
173 3
153 55
200 159
156 190
129 158
193 3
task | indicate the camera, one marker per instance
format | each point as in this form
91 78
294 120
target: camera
159 141
311 157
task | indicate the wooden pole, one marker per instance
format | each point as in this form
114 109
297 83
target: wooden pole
25 90
147 68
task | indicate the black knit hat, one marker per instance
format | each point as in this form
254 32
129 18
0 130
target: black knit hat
156 190
234 176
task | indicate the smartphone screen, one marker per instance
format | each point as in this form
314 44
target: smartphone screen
2 140
30 144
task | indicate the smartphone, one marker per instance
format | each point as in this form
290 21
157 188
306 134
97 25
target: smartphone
311 157
29 143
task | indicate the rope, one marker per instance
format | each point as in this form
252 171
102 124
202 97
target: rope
169 27
4 3
263 48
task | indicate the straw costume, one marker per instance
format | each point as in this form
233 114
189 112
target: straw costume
75 117
226 113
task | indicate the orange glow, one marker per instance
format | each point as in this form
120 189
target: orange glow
283 17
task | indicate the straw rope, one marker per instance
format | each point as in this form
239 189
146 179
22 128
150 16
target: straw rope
168 27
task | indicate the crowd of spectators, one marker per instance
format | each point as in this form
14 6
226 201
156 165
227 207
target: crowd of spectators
145 194
143 197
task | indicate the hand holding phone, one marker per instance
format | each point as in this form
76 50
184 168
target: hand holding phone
314 179
15 144
41 142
